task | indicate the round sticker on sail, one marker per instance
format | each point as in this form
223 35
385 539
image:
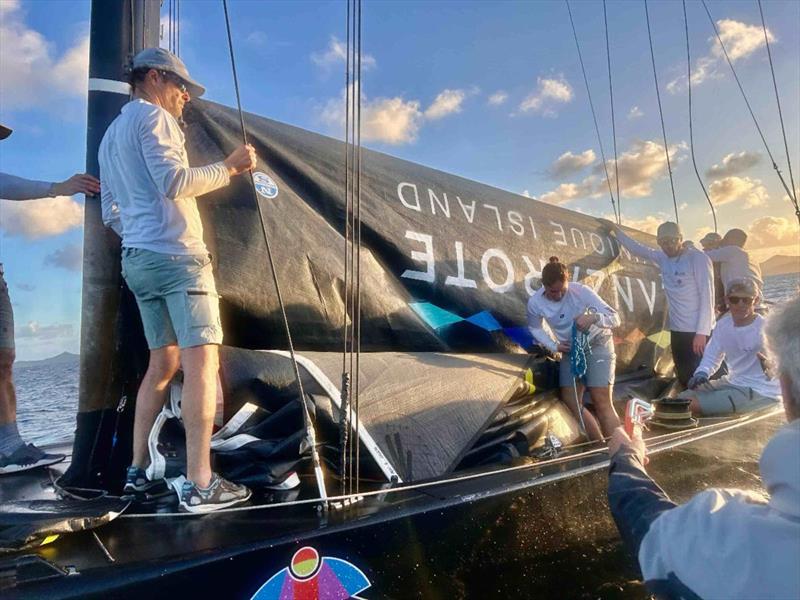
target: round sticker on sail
265 186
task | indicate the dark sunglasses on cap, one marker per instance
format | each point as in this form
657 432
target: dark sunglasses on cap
175 79
743 299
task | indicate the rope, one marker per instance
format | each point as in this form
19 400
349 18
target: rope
752 114
691 126
661 111
358 254
613 120
780 112
310 435
578 351
594 114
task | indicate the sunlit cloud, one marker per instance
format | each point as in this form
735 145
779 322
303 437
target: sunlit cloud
446 103
70 257
336 53
733 164
34 219
768 232
34 75
549 94
635 113
568 163
35 330
750 192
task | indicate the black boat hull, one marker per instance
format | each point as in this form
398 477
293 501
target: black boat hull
541 530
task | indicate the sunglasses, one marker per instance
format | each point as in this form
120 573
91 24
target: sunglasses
743 299
174 79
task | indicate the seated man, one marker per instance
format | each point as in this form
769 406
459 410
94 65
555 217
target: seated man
723 543
738 339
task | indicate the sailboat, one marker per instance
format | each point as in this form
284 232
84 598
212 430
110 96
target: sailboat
467 477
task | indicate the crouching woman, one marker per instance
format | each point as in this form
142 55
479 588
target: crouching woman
561 303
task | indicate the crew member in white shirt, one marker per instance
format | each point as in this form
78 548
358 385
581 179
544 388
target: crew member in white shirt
15 454
148 198
561 303
738 339
734 261
688 280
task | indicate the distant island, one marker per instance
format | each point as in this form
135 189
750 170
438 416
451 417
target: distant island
65 358
780 265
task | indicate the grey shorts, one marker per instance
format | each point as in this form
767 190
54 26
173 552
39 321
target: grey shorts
6 317
600 366
177 297
719 397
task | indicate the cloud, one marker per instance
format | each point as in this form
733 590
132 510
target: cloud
567 192
256 38
635 113
26 287
34 75
766 232
740 40
549 94
733 164
336 53
446 103
648 224
568 163
734 189
33 330
34 219
498 98
389 120
640 167
70 257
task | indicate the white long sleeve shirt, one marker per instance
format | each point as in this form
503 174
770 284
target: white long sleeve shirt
148 187
735 263
688 281
560 315
18 188
739 347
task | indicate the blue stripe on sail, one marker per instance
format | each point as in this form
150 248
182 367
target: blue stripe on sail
485 320
520 335
433 315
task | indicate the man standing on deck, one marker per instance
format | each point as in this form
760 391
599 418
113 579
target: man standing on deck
148 198
15 454
688 281
723 543
733 260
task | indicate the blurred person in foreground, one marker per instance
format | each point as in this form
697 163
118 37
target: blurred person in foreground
723 543
15 454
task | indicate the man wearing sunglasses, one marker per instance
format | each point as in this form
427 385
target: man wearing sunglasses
148 198
733 260
737 339
688 280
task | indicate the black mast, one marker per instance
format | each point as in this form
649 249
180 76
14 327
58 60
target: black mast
119 29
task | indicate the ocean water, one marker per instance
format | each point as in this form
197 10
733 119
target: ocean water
47 394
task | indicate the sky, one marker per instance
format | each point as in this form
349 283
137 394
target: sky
491 91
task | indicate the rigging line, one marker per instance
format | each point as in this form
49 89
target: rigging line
344 408
178 28
306 416
691 119
594 115
351 107
358 259
778 102
613 120
661 112
752 114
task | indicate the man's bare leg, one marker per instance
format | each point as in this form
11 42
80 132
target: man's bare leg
200 367
592 428
8 397
163 365
606 415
